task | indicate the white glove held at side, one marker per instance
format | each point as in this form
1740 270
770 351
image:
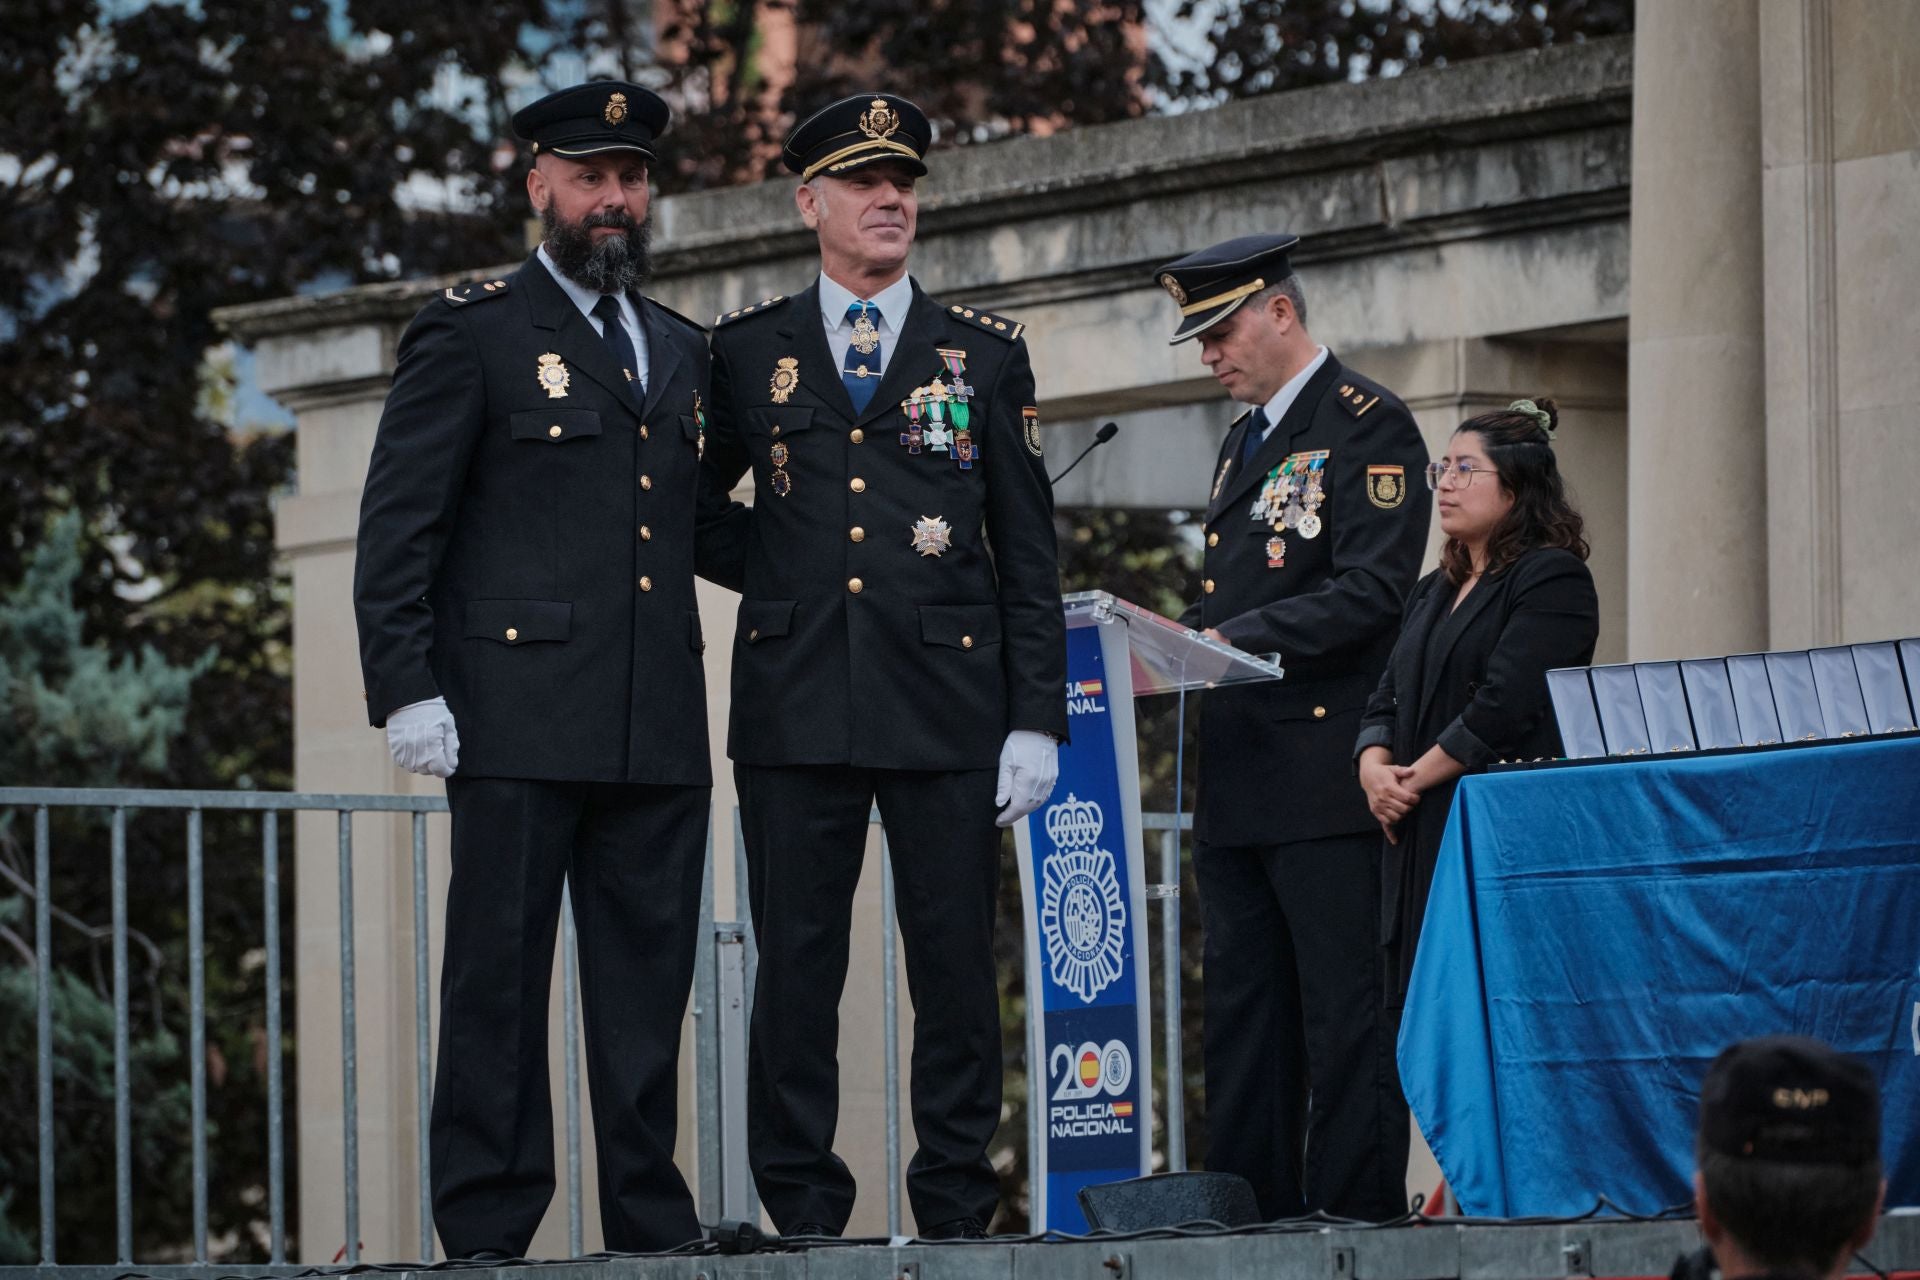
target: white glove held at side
422 738
1029 766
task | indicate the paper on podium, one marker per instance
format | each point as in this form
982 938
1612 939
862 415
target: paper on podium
1167 657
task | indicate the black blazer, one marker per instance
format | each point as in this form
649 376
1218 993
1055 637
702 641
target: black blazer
934 657
1482 697
530 556
1274 757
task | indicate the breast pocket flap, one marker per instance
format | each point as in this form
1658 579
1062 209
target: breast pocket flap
555 426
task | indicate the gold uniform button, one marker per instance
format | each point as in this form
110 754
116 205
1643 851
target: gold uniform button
856 435
776 428
966 642
856 586
754 634
646 482
857 485
646 534
513 633
643 431
856 534
1209 586
1319 713
646 584
554 431
1213 539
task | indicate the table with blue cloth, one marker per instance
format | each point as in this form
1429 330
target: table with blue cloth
1597 933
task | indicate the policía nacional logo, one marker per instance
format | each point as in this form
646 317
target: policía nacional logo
1084 696
1082 917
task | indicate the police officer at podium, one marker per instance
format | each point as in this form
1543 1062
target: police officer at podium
900 642
1313 538
524 590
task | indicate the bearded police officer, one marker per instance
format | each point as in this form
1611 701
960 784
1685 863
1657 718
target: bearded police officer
900 641
1313 538
525 598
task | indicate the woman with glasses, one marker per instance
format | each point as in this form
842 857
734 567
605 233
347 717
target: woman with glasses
1467 682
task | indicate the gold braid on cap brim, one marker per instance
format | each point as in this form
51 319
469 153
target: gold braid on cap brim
1221 299
845 153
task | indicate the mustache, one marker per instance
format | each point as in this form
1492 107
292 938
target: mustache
619 219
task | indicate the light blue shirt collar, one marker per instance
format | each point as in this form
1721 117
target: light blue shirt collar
586 299
1283 398
894 301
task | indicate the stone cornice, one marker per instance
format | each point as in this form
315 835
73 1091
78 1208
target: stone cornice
1582 86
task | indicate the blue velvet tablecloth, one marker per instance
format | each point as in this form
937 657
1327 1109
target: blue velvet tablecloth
1596 934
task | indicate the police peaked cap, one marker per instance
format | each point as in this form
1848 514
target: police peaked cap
591 118
856 132
1210 285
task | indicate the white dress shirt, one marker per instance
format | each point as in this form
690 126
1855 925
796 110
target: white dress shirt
894 301
1283 398
586 299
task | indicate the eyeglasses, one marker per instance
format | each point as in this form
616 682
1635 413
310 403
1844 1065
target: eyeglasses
1462 472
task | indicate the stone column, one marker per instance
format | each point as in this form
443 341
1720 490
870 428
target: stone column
1842 196
1697 542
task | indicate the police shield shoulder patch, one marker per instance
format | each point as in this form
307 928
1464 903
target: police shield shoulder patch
1386 486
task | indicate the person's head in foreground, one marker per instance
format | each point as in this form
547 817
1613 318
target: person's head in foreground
1789 1180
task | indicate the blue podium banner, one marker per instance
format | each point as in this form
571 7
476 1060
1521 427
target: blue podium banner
1084 891
1596 934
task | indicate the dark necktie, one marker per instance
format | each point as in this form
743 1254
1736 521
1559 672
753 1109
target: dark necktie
860 370
1256 436
607 312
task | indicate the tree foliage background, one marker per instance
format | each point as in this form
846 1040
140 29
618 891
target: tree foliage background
162 159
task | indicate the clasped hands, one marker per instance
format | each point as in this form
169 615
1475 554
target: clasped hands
1392 789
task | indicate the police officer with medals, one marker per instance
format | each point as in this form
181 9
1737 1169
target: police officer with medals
532 521
1313 539
900 642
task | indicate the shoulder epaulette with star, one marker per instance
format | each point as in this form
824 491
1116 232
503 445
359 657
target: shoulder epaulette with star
765 304
1356 399
460 295
998 326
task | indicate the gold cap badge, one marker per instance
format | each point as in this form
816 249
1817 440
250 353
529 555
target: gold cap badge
879 120
1174 290
616 108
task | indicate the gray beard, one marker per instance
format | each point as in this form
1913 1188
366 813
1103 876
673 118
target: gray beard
614 265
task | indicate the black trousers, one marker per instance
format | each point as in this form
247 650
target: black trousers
806 829
633 856
1303 1096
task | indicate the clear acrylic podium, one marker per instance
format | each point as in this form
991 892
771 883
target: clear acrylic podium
1085 892
1167 657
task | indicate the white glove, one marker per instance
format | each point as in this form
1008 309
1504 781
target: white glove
1029 766
423 739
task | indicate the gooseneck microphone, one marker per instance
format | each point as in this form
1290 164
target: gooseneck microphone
1100 437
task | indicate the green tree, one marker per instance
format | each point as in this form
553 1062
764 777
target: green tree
80 716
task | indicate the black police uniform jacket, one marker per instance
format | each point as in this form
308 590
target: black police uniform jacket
1276 758
929 660
530 556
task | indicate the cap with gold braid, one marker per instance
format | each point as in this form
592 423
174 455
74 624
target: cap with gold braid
1210 285
601 115
855 132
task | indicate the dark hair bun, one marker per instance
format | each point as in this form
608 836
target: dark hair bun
1552 411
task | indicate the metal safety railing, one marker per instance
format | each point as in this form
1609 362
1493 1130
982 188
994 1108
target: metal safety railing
721 1010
